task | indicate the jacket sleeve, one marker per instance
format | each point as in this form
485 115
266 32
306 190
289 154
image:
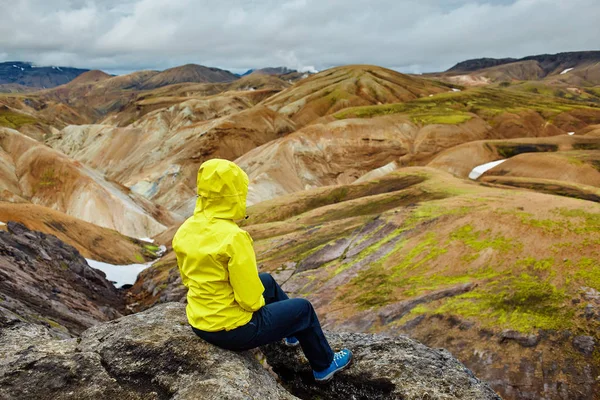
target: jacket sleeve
243 273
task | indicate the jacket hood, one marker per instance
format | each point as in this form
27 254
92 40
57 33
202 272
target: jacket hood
222 190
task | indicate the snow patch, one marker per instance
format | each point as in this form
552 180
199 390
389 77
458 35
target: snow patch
119 274
571 133
481 169
455 90
566 71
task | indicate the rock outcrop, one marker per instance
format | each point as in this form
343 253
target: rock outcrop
152 355
383 368
155 355
45 281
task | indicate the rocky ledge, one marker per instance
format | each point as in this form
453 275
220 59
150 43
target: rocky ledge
46 281
155 355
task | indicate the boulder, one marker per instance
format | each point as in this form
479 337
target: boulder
383 367
150 355
584 344
155 355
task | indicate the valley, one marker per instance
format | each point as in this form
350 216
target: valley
362 199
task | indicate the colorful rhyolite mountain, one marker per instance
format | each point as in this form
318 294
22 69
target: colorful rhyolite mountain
360 196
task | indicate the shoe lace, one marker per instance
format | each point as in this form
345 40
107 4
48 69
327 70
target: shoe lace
339 355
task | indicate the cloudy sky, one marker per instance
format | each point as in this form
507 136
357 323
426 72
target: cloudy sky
408 35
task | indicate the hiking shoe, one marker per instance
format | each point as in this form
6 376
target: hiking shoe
341 360
291 341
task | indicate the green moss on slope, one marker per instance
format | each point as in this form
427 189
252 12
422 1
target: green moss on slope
588 272
14 120
474 239
451 107
522 302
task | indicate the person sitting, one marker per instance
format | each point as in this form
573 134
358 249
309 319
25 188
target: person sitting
229 304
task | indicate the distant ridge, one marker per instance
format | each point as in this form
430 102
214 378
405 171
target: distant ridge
91 76
548 62
17 76
189 73
480 63
30 75
270 71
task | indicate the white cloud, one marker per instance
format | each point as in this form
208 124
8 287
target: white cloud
410 35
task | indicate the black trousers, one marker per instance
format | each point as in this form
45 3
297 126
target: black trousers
281 317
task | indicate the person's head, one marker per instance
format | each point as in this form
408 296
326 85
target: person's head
222 190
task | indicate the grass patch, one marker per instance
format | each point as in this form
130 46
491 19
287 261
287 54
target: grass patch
537 265
428 212
375 286
380 289
378 204
523 303
421 116
574 220
48 178
588 272
444 119
568 220
586 95
425 251
485 102
14 120
475 240
369 250
416 285
150 250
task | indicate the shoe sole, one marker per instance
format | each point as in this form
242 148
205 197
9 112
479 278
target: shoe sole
332 373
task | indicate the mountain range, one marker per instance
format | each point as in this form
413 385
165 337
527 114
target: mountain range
579 69
24 74
548 62
17 76
362 199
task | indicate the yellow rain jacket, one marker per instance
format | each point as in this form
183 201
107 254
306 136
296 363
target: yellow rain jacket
215 257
